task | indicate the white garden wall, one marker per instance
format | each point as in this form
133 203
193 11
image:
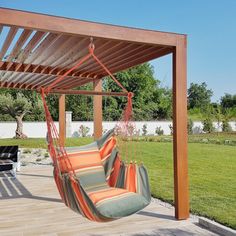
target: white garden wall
38 129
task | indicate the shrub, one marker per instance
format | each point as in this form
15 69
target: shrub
151 139
190 126
171 129
144 129
131 129
208 126
83 130
159 130
26 151
226 126
46 154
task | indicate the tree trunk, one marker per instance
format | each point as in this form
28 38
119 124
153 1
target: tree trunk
19 128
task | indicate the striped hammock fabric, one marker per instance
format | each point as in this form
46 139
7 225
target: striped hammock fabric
103 187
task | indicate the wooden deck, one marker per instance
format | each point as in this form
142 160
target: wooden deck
30 205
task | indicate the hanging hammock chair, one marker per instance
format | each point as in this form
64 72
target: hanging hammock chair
93 180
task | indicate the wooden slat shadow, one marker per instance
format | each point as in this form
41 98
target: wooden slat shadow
11 188
156 215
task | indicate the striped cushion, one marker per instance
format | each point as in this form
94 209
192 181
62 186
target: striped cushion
88 167
106 149
116 202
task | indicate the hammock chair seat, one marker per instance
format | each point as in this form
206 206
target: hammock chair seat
110 188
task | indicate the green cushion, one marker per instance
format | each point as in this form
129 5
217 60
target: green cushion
121 207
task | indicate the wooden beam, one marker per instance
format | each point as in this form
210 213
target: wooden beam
62 119
89 93
97 110
63 25
181 191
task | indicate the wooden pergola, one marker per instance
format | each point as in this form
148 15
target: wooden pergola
38 48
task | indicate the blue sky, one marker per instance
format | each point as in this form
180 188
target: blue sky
210 25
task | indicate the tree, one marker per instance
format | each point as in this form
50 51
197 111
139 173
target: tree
144 129
228 101
228 104
17 108
150 101
199 96
207 125
217 112
36 114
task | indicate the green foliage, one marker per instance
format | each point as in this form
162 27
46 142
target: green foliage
159 130
171 129
190 126
25 102
14 107
144 130
199 96
228 101
150 101
207 125
17 106
46 154
83 130
226 126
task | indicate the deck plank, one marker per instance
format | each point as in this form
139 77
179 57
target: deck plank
35 208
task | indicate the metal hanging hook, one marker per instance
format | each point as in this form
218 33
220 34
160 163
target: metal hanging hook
91 45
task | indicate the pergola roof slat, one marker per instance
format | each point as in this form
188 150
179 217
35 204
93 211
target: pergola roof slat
50 38
30 46
70 56
10 36
1 28
67 56
49 46
111 54
129 56
20 42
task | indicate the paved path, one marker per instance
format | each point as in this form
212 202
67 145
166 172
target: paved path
30 205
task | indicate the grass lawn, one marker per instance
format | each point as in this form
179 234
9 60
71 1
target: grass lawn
212 174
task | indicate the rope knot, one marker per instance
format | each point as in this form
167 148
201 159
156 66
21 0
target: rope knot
130 95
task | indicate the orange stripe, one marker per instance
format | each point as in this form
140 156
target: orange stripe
85 158
82 202
80 161
108 147
130 178
98 191
97 197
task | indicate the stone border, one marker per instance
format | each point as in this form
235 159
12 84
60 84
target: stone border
208 224
216 227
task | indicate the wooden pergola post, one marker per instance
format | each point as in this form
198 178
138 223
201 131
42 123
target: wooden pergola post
97 110
181 194
62 119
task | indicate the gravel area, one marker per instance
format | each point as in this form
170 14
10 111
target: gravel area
35 156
